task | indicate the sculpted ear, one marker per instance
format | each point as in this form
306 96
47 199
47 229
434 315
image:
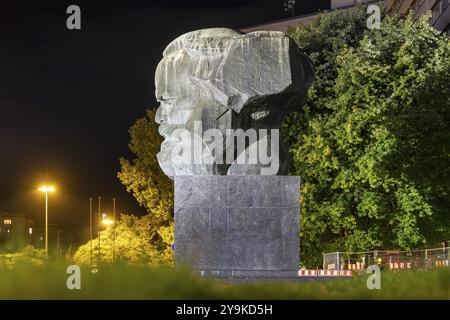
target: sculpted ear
302 72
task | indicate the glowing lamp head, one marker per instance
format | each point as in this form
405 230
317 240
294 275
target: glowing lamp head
106 221
47 189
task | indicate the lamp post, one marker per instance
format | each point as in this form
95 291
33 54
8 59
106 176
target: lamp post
107 222
114 230
90 229
46 190
98 227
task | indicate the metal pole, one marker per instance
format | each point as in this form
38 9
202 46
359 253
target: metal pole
114 230
98 228
90 228
323 261
338 262
46 222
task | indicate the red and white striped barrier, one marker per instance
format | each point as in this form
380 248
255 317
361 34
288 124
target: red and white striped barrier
325 273
400 265
307 273
442 263
329 273
335 273
355 266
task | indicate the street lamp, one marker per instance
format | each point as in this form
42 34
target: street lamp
46 190
90 229
114 230
106 221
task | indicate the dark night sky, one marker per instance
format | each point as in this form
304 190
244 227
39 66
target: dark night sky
67 98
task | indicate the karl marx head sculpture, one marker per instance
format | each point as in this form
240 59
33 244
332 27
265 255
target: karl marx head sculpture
215 86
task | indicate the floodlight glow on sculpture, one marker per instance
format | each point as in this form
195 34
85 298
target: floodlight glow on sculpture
217 80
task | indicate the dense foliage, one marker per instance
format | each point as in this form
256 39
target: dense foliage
149 185
133 240
28 256
372 144
142 176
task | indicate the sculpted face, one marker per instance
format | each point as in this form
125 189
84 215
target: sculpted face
180 105
223 79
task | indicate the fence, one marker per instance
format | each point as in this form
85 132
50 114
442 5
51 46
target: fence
394 260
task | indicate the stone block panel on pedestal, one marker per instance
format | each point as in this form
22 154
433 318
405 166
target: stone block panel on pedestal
238 225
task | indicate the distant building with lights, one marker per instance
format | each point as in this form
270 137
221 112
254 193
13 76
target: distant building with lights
18 231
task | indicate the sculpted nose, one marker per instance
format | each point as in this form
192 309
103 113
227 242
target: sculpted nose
160 117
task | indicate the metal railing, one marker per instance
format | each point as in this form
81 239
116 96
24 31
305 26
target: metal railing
423 259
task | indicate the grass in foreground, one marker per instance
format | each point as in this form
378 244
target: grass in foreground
134 282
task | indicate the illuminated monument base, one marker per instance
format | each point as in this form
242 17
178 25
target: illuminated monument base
238 226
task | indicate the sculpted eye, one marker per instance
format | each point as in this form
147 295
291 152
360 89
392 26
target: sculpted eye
259 114
165 99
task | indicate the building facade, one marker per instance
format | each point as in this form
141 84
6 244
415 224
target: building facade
283 25
440 10
55 237
440 13
16 231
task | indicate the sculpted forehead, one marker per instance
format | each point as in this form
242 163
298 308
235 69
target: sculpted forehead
215 39
205 39
233 67
183 63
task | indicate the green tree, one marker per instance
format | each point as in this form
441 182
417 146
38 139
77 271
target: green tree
142 176
372 142
145 180
135 239
322 40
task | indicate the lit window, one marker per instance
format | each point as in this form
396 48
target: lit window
7 221
30 230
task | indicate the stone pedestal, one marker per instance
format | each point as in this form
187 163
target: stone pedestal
238 226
